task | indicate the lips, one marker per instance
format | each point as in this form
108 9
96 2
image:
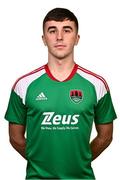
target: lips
60 46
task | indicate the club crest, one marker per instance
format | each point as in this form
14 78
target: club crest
76 96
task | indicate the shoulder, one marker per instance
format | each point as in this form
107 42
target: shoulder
99 83
29 77
21 85
94 78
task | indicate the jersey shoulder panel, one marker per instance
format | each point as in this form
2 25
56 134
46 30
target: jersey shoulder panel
100 84
22 83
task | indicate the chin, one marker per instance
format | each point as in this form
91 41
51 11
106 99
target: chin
61 57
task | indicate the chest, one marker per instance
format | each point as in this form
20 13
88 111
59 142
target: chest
75 96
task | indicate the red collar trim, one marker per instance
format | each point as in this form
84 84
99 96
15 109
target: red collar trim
68 78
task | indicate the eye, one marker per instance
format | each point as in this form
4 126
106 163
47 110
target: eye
52 31
67 30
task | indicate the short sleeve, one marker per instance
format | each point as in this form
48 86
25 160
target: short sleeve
104 110
16 111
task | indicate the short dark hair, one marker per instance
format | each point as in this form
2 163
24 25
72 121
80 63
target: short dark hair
60 14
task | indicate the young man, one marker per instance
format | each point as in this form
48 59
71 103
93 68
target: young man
56 105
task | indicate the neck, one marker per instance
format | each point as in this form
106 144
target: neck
60 65
61 69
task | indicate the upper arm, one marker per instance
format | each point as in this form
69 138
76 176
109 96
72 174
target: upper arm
16 111
16 131
105 131
17 138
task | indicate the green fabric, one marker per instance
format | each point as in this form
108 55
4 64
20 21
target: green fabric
16 111
59 126
104 112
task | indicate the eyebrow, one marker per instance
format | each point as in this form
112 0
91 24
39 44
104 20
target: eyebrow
64 27
51 27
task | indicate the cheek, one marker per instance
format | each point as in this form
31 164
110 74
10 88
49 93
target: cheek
72 42
47 41
50 46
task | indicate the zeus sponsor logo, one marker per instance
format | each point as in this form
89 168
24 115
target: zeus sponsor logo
52 119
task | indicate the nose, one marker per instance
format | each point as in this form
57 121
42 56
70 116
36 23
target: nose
59 35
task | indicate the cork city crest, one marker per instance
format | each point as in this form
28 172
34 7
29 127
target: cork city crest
76 96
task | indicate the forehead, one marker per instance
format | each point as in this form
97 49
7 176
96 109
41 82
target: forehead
59 24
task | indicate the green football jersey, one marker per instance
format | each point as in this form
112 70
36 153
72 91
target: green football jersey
58 117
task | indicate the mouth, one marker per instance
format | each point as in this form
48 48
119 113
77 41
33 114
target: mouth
60 46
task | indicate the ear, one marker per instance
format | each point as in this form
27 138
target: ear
44 41
77 39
